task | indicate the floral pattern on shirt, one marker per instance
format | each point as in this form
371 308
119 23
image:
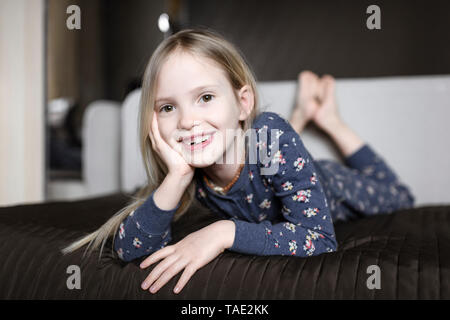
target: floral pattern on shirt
300 195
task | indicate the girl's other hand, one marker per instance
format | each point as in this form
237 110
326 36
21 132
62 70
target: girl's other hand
175 162
191 253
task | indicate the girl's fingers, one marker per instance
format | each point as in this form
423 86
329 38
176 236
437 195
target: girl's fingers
157 271
156 135
155 127
151 134
187 274
156 256
152 128
152 140
167 275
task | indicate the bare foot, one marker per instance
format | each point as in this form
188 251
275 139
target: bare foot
327 115
307 100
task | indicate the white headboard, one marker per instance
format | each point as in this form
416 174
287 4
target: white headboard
405 119
132 168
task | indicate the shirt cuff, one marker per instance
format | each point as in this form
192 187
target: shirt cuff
249 238
152 219
361 158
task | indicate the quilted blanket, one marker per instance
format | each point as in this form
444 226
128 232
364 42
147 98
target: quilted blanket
403 255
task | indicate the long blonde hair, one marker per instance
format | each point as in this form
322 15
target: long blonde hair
201 42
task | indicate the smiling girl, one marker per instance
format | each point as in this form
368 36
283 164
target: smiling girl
198 103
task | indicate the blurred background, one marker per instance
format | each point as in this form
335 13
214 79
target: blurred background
49 74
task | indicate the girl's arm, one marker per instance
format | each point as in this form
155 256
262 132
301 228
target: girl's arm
307 228
147 229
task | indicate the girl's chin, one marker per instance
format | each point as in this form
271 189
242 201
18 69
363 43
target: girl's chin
199 162
202 159
200 165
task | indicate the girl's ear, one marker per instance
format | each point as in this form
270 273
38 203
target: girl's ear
246 101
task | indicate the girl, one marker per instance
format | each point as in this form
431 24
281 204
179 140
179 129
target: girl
199 101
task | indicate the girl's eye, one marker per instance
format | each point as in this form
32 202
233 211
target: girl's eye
207 97
167 107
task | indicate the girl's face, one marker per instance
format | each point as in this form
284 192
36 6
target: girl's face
194 97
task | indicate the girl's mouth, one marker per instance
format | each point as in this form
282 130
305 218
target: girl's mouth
198 142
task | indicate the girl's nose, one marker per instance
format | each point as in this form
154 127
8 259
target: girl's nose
187 122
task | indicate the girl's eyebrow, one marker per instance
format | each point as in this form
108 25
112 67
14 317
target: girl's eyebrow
200 88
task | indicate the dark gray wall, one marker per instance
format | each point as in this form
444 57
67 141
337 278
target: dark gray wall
131 35
280 38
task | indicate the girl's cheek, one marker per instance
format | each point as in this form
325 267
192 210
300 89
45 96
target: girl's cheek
171 141
165 131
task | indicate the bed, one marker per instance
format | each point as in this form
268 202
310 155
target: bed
410 247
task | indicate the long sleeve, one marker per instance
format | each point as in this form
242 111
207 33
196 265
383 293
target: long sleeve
385 188
144 231
367 162
306 227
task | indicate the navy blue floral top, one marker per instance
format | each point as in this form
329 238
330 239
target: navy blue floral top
278 204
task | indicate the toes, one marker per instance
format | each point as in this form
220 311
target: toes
329 81
308 77
327 85
309 84
305 74
328 77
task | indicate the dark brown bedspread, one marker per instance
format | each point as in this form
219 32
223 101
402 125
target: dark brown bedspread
411 248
